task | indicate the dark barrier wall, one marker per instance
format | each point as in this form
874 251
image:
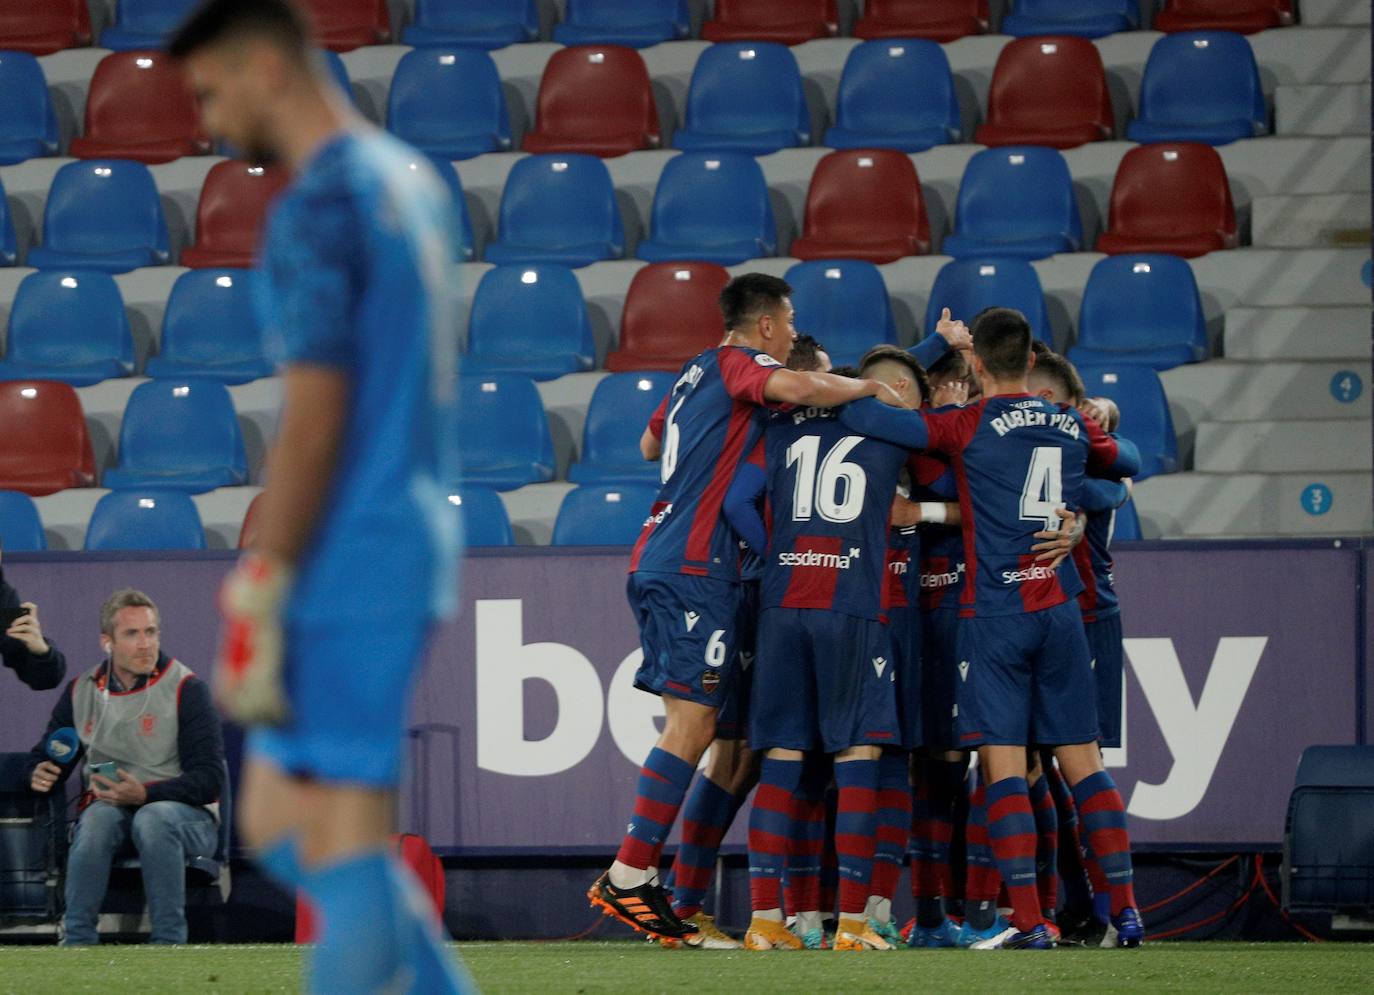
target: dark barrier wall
527 730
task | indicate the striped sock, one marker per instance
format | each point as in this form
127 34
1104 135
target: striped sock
856 824
663 782
1046 846
706 816
983 880
1077 893
802 891
1011 829
770 831
1104 824
894 818
830 860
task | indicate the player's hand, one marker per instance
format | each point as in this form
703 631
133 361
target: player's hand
27 630
889 396
124 791
949 392
44 776
1054 546
955 333
249 685
1093 408
906 514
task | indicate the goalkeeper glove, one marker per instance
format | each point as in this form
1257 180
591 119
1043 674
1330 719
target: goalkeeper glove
249 684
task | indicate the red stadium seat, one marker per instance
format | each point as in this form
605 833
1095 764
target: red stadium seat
1243 16
1047 91
140 108
233 204
937 20
248 533
864 204
595 99
671 314
343 25
46 447
1170 198
788 22
41 27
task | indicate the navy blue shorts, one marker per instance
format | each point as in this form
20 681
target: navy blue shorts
904 630
1104 640
687 630
732 722
822 681
939 674
1026 680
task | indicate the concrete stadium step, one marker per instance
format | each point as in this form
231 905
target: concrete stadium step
1269 333
1312 220
66 514
533 510
1338 109
1238 505
1331 12
1232 391
1283 446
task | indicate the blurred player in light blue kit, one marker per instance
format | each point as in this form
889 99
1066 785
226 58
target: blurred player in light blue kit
327 616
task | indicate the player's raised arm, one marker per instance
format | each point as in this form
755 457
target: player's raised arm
1103 495
1109 457
651 442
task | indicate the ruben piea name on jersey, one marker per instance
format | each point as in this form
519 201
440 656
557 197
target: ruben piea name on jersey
1023 416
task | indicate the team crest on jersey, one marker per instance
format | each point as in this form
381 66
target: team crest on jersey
710 680
146 724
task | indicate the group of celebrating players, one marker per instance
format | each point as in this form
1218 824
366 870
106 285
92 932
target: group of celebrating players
849 582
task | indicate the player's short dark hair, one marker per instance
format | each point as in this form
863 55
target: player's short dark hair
1052 366
849 372
892 354
1002 340
749 295
953 365
216 21
805 355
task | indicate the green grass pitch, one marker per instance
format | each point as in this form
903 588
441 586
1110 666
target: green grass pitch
620 967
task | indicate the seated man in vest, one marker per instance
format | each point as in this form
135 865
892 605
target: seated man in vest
151 757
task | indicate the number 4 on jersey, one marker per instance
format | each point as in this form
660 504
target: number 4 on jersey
1043 493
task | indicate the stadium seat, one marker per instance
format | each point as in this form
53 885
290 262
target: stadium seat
1328 846
785 22
1244 16
1080 18
637 23
595 99
936 20
103 214
139 107
967 286
603 516
21 528
745 97
68 326
1047 91
179 434
46 447
28 123
529 321
1015 202
210 329
44 28
464 245
448 102
1200 87
343 25
9 244
558 209
145 519
895 95
473 23
503 433
144 24
843 304
864 204
1126 525
234 201
711 207
671 314
1141 309
618 413
484 517
1145 418
1172 198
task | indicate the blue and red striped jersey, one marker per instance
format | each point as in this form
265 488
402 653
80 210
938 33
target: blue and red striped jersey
941 567
901 567
708 428
1092 556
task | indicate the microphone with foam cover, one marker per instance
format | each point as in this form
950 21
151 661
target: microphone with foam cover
63 745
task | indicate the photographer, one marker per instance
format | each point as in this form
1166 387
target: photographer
36 661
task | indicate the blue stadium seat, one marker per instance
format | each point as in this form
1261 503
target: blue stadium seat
1016 201
148 518
21 528
558 209
474 23
484 517
529 321
1141 309
843 304
1200 86
1080 18
1126 527
967 286
619 412
9 244
68 326
448 102
1145 418
603 516
102 214
711 207
1367 273
503 433
636 23
210 329
145 24
464 245
335 64
745 97
28 123
179 434
895 94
